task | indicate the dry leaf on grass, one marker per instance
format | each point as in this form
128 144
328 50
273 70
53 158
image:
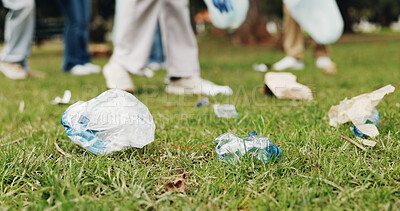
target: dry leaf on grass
178 185
66 154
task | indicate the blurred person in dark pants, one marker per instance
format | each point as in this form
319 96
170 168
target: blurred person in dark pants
76 37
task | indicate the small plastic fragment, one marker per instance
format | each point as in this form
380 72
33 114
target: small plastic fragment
64 100
203 102
225 111
260 68
231 147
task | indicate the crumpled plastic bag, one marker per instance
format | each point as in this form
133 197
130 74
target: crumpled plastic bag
284 86
229 20
357 109
320 18
109 122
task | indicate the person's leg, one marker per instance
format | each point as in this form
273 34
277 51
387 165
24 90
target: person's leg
323 61
181 52
132 41
180 44
320 50
293 43
18 36
75 32
135 34
157 51
86 13
19 30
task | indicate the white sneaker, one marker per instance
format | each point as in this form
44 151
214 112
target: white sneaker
80 70
93 68
196 85
288 62
117 77
326 64
155 66
13 71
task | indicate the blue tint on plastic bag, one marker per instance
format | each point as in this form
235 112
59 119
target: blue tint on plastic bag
231 19
87 138
374 118
110 122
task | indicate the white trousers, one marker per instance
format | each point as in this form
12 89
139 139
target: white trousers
18 31
135 34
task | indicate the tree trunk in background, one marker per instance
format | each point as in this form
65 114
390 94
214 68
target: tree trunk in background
343 7
253 30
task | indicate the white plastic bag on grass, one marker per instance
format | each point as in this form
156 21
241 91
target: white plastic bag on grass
110 122
320 18
229 20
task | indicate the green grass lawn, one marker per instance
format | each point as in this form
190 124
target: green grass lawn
318 170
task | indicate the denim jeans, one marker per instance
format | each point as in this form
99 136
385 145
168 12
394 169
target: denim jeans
76 32
157 51
18 32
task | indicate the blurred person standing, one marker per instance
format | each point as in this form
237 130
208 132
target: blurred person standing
76 37
156 57
18 36
293 45
134 41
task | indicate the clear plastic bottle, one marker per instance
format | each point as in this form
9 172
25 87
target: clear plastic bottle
232 147
374 118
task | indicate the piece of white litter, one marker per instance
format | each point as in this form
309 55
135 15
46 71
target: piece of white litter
225 111
368 129
358 108
284 86
64 100
21 106
260 68
367 142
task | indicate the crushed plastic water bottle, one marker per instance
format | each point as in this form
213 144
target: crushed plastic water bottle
231 147
374 118
110 122
203 102
225 111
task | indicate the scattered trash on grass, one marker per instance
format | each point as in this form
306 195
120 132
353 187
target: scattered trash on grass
361 111
21 107
64 100
358 108
225 111
178 185
203 102
352 142
260 67
110 122
284 86
231 147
